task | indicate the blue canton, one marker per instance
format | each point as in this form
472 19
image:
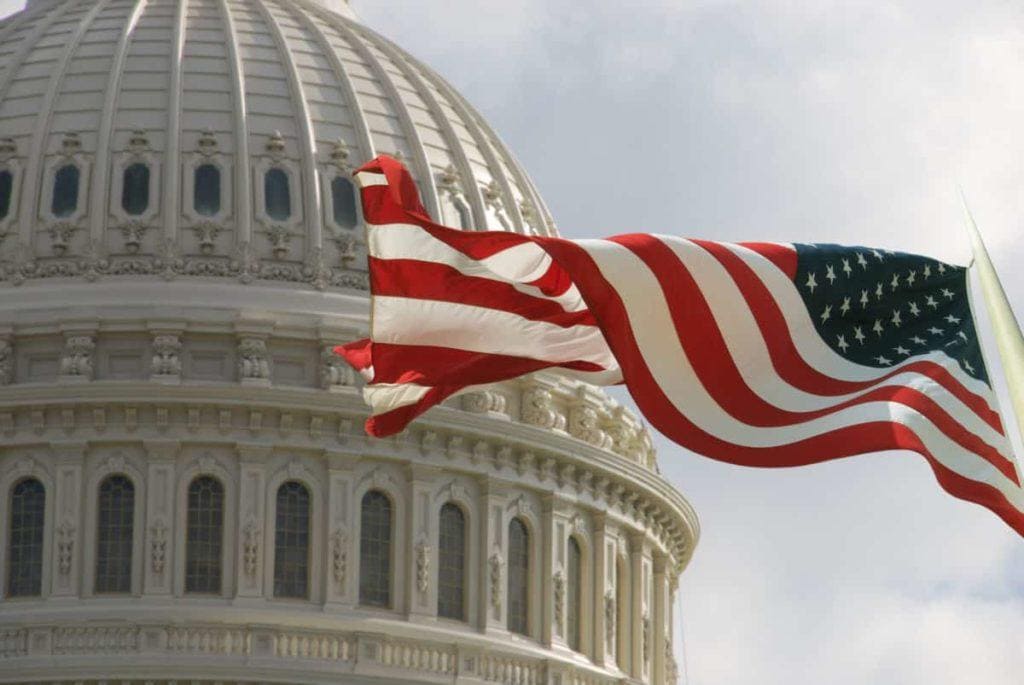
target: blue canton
877 307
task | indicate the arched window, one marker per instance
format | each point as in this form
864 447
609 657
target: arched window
114 531
451 572
518 577
343 202
25 540
277 198
204 535
6 188
375 550
291 541
206 190
573 605
65 191
135 189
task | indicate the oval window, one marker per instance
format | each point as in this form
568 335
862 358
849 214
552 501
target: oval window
277 199
343 199
6 187
65 191
206 190
135 189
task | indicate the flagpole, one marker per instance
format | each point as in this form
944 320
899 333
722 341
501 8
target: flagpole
1009 340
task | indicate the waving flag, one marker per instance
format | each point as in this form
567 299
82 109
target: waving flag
754 353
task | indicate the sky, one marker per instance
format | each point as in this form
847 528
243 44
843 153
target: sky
814 121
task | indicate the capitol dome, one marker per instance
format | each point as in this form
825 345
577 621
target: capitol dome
188 494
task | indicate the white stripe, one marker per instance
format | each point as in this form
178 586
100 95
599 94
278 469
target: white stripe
384 397
749 351
368 178
810 345
517 265
658 344
405 321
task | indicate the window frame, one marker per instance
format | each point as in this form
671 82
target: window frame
213 468
466 554
311 543
110 467
12 166
9 535
394 601
531 565
135 552
222 570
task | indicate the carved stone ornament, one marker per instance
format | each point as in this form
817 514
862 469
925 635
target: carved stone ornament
253 359
65 546
158 546
609 620
77 358
6 361
166 355
422 566
584 425
484 401
334 371
133 232
558 585
539 409
645 636
339 154
206 233
339 556
251 546
495 563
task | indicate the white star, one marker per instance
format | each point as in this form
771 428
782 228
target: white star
846 267
862 262
952 319
883 361
914 309
952 342
919 340
911 277
877 255
927 270
947 293
967 365
830 274
962 335
825 315
812 282
863 299
842 343
930 301
845 307
942 268
896 320
858 334
895 282
877 328
900 349
935 331
878 290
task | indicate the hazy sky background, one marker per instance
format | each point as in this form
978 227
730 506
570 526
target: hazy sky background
805 121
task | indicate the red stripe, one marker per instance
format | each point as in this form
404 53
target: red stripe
788 363
716 369
433 365
782 256
433 281
862 438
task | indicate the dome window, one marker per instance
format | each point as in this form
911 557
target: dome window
206 190
375 550
574 572
343 202
204 535
114 534
291 541
65 191
277 198
25 539
451 572
6 188
518 577
135 189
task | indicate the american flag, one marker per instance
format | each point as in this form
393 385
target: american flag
758 354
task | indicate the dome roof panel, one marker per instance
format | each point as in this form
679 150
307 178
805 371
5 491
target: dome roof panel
247 85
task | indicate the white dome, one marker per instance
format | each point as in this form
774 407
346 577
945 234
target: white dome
252 85
179 253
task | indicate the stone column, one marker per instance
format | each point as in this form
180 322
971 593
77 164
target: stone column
492 555
636 576
161 517
546 571
601 585
252 534
340 534
660 620
421 578
69 513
